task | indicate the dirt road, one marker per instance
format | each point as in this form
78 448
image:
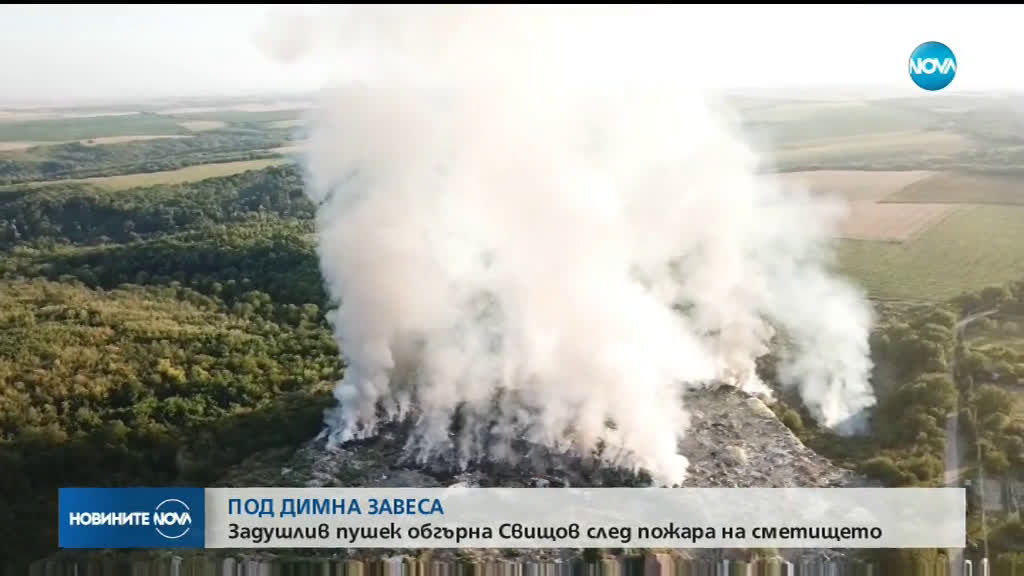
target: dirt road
953 440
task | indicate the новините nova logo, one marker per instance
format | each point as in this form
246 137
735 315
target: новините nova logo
131 517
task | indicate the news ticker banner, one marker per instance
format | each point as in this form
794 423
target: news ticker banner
460 517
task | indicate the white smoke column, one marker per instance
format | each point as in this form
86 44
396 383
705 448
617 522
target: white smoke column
529 214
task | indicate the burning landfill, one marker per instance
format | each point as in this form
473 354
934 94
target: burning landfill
540 231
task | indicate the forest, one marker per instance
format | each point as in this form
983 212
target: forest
153 337
160 335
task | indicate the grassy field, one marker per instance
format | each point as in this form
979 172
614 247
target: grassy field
59 130
189 174
973 247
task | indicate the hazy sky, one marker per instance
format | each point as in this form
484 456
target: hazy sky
74 53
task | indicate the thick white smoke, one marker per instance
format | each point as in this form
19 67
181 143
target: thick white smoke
531 218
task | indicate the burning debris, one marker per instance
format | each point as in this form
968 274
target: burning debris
734 441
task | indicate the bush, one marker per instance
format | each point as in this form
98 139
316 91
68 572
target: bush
884 469
791 419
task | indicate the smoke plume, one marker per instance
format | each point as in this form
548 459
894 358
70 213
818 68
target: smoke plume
535 226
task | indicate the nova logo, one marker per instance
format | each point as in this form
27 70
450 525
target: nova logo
172 519
932 66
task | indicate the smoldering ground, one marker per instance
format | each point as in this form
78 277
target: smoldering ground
533 216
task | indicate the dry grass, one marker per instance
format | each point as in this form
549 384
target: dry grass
855 185
201 125
895 222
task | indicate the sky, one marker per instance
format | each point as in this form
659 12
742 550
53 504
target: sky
69 54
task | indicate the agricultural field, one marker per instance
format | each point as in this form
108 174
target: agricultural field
243 116
797 124
19 128
121 139
287 123
935 204
18 115
48 146
855 185
65 129
917 174
202 125
14 146
973 247
964 189
892 222
291 149
189 174
878 147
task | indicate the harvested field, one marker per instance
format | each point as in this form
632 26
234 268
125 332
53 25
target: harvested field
201 125
895 222
855 185
964 188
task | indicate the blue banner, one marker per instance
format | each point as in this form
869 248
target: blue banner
265 518
132 518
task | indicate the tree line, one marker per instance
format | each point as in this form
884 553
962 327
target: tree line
84 160
82 215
